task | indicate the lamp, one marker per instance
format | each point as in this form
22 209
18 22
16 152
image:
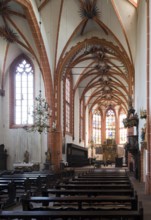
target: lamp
41 115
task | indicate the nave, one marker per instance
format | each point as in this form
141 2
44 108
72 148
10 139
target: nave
107 190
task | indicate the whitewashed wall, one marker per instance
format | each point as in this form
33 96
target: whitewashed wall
140 64
141 71
17 141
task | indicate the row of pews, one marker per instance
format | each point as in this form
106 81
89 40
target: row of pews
14 185
88 195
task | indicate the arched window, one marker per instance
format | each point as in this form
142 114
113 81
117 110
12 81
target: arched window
21 92
67 105
110 124
81 120
122 130
96 126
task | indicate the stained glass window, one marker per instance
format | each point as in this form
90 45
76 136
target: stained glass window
81 120
110 124
67 100
96 124
22 93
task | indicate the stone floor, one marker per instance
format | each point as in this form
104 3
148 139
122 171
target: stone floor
146 199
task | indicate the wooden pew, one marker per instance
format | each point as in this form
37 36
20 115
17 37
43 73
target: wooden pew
24 184
38 179
7 194
103 174
19 183
82 214
93 186
88 192
41 174
80 202
94 181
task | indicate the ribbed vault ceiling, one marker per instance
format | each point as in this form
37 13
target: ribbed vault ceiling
93 40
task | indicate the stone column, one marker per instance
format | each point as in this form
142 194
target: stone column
56 149
148 128
142 168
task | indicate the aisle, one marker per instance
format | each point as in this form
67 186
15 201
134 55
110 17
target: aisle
146 199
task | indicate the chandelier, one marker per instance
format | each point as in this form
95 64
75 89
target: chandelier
41 115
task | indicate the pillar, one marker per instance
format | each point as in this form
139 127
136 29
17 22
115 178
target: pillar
142 168
56 149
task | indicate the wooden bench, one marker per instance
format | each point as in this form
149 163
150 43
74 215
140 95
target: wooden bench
34 180
99 174
93 186
80 202
43 175
19 183
38 179
104 176
7 194
82 214
88 192
94 181
23 185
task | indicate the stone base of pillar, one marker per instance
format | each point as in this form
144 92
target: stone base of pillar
148 185
48 166
56 149
142 168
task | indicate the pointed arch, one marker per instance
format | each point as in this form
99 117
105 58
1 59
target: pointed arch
21 91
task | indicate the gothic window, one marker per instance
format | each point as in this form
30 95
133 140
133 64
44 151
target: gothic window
96 126
21 92
122 130
81 120
110 124
67 104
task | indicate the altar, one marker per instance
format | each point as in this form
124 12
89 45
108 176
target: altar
26 166
109 149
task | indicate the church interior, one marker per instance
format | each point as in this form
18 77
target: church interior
75 102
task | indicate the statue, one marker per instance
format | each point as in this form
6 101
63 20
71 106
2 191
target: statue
48 156
26 157
145 128
143 134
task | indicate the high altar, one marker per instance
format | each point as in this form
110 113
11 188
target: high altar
109 149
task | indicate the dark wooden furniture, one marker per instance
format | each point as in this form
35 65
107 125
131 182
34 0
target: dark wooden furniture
132 147
81 178
7 194
119 161
94 181
80 202
77 156
88 192
93 186
48 215
3 157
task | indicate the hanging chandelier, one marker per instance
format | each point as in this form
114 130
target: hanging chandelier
41 116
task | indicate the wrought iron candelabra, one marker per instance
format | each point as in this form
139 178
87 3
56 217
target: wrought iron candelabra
41 115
